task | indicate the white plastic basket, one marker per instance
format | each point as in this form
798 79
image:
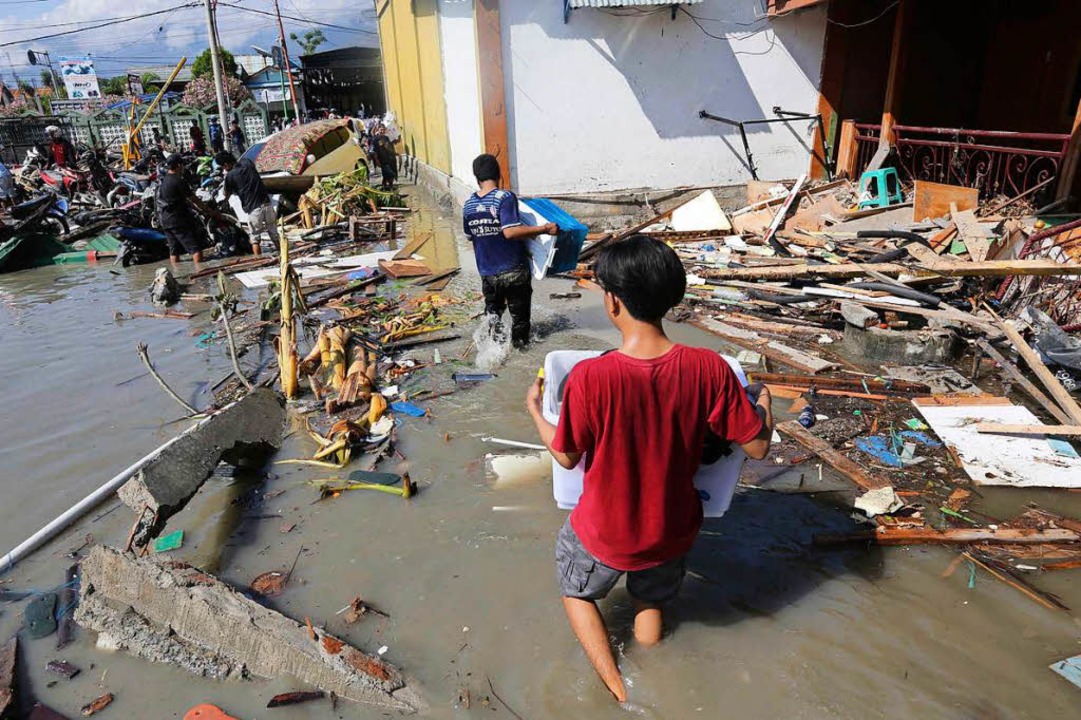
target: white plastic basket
716 483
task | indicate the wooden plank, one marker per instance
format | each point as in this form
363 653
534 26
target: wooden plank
492 95
926 535
847 149
773 350
895 75
1045 376
971 233
932 200
840 383
398 269
835 459
418 241
1015 373
940 241
782 213
1053 430
987 268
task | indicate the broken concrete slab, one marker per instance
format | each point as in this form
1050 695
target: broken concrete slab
858 315
912 347
7 677
251 426
170 612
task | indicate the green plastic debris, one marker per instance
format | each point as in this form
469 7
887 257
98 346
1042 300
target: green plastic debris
40 616
172 541
915 424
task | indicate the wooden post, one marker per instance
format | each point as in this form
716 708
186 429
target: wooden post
834 57
1070 164
893 79
847 150
492 97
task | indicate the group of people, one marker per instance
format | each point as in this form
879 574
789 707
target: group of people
177 205
637 418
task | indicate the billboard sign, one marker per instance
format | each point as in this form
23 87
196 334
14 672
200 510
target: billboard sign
80 80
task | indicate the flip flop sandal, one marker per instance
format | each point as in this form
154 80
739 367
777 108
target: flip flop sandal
207 712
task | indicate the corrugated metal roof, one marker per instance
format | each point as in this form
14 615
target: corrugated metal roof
628 3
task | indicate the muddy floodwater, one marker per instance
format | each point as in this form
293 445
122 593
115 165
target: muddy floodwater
768 625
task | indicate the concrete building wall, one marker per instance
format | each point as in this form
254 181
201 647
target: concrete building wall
409 30
611 99
459 44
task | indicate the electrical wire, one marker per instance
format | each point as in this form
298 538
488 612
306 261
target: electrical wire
876 18
98 26
297 19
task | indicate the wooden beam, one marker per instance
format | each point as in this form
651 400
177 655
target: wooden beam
895 387
847 150
888 535
1072 161
894 77
835 459
988 268
1023 382
834 59
492 88
1046 377
1053 430
772 349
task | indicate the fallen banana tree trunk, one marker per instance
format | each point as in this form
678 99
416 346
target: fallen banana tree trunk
170 612
954 536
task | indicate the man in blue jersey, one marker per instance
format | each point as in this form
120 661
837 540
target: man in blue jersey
490 219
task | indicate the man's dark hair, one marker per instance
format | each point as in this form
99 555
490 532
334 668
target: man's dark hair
486 167
175 160
645 274
225 158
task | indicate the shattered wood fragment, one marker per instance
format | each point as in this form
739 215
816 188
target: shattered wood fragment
295 698
97 705
1048 600
932 200
1046 377
988 268
772 349
867 385
968 228
1023 382
926 535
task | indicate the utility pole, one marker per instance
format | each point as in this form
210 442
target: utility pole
212 35
288 62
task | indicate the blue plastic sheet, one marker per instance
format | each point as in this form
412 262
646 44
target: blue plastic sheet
887 448
406 408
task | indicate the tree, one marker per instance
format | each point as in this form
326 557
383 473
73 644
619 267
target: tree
310 41
114 85
150 81
203 67
47 82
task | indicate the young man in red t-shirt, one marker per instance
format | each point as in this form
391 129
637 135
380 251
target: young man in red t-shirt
640 416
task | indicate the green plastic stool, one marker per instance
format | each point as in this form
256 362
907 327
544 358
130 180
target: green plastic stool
882 186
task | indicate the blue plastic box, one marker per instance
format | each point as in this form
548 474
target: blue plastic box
572 234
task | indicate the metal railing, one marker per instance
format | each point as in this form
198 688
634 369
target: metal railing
995 162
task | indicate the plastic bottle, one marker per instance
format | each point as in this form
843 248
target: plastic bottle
807 416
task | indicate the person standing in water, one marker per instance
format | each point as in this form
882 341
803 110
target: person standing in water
490 220
640 416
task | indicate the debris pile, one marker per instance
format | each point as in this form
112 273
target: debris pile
876 303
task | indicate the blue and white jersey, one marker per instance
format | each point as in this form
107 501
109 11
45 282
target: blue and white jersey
484 218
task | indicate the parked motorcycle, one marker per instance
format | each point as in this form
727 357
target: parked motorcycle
51 220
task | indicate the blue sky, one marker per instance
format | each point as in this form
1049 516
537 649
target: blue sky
164 38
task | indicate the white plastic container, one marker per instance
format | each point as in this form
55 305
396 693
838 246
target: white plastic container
716 483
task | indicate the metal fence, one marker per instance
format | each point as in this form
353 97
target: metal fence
109 128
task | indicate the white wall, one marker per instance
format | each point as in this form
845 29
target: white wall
461 83
611 102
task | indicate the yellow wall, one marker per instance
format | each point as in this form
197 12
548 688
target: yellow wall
409 36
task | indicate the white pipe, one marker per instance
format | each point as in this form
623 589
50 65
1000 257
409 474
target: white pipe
513 443
81 508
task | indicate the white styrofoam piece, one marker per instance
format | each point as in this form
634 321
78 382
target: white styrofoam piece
314 267
700 215
542 248
1012 460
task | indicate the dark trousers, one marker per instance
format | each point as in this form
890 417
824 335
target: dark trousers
513 290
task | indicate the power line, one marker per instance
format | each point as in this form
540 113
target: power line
297 19
96 27
876 18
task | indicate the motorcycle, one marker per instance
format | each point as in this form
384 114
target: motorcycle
51 220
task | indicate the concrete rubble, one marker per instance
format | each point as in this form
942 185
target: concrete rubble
252 425
170 612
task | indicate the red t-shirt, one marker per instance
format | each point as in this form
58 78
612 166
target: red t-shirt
641 425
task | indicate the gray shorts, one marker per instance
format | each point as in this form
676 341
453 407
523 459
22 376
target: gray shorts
582 576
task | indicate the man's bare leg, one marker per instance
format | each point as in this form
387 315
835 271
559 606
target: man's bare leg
588 626
648 623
